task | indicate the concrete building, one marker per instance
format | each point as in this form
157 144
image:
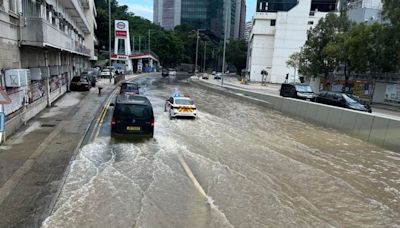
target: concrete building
279 30
53 40
368 11
202 14
247 30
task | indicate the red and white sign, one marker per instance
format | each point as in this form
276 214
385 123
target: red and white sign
121 28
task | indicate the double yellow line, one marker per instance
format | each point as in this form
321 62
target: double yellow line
100 119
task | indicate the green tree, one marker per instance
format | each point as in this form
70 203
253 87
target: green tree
236 54
324 51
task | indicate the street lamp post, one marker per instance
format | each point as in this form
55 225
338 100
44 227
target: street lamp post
205 53
197 50
109 37
223 57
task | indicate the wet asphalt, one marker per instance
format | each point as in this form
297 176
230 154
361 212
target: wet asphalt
257 168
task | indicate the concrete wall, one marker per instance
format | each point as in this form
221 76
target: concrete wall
31 111
381 131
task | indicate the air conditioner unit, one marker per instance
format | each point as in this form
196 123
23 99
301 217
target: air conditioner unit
36 74
17 77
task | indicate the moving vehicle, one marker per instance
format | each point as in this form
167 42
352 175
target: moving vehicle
129 88
180 106
133 116
218 76
105 73
81 83
165 72
297 90
205 76
341 100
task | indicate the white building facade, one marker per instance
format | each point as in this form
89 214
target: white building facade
276 35
365 11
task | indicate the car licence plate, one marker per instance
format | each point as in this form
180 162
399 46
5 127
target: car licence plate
133 128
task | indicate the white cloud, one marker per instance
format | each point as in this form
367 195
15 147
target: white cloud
141 10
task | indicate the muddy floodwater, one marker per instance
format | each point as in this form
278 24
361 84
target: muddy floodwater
250 166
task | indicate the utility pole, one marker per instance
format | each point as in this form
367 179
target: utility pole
133 46
109 36
149 41
205 53
223 57
140 44
197 51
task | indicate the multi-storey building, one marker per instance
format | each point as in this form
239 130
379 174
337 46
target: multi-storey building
279 29
247 30
51 40
368 11
207 15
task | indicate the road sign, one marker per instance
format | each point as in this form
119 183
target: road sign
4 98
2 121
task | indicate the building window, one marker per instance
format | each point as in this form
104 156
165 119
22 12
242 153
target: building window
12 5
273 22
2 4
311 22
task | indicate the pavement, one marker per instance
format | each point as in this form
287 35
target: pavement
34 160
273 89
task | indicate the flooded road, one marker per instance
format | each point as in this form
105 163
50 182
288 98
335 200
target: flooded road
257 168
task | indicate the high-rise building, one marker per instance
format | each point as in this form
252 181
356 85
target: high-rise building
202 14
247 30
279 29
368 11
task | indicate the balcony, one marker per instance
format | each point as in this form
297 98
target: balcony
40 33
75 9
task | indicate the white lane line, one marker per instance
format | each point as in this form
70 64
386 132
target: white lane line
191 176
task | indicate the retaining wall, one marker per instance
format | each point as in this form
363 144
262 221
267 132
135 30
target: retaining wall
378 130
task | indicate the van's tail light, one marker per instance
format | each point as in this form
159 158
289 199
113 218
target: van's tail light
114 121
152 122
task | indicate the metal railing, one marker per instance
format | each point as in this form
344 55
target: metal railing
39 32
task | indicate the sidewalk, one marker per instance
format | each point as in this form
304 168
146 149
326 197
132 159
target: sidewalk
33 161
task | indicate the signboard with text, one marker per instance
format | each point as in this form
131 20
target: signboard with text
121 28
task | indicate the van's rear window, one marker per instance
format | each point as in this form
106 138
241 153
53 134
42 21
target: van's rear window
133 110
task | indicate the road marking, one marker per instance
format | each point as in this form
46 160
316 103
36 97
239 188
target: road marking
191 176
103 113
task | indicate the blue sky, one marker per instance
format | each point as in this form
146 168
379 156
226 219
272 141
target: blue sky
144 8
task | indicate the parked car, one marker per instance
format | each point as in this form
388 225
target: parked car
91 75
129 88
172 72
205 76
133 116
218 76
81 83
365 103
341 100
105 73
214 73
165 72
297 90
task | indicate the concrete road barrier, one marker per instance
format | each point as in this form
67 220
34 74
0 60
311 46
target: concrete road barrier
382 131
